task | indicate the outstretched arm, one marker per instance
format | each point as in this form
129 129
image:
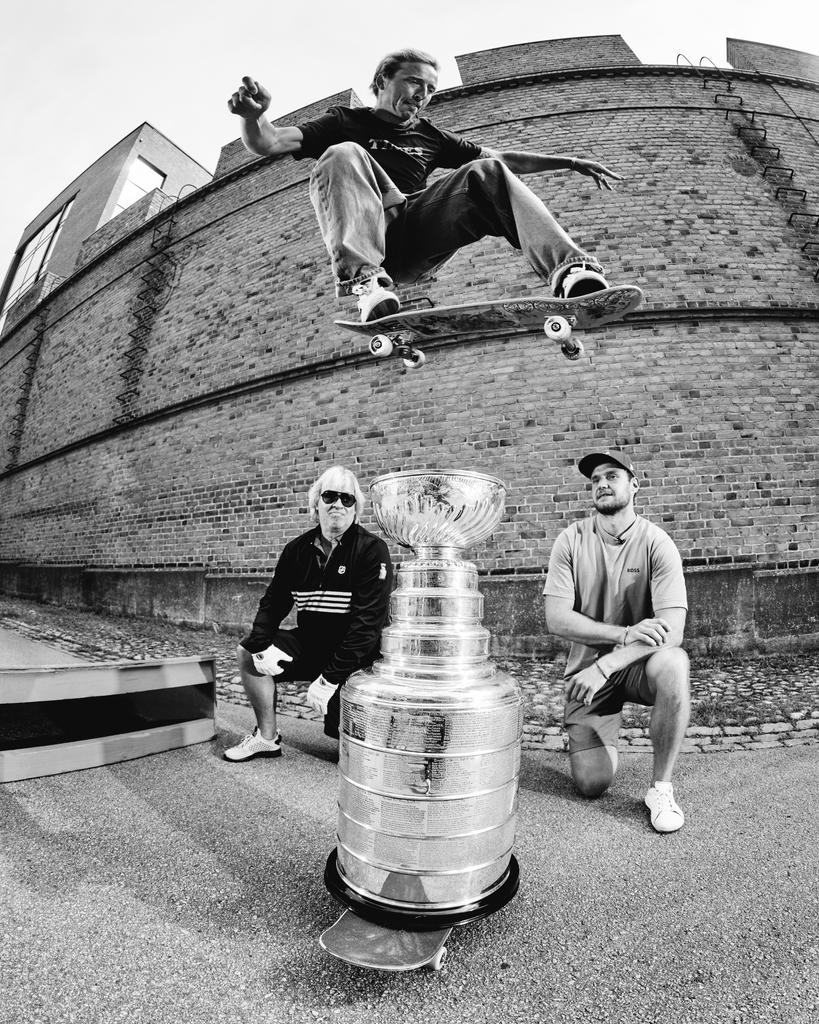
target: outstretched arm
250 102
532 163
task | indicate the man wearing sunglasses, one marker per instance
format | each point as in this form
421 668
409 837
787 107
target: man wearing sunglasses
339 577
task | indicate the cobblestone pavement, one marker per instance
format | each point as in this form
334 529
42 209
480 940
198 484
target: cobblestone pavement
738 702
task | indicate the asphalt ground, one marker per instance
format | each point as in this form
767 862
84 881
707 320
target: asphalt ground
183 888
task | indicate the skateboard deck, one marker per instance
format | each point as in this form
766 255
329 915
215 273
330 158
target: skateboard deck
365 944
399 333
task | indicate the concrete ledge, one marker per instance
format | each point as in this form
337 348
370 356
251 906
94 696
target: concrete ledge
56 719
732 608
37 762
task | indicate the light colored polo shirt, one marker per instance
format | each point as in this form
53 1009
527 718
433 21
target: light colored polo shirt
619 584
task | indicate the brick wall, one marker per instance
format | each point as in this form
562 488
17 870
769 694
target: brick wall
546 55
772 60
123 224
31 297
246 389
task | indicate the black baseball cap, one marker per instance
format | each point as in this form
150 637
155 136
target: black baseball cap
589 463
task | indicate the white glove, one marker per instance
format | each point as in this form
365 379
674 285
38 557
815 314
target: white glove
270 660
319 693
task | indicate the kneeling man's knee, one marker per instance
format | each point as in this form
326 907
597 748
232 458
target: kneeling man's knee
669 667
593 770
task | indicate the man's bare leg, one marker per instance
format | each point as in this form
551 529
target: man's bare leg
261 692
667 673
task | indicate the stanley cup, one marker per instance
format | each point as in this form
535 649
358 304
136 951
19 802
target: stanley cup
429 752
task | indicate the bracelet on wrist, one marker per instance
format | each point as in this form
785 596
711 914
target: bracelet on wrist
625 636
603 672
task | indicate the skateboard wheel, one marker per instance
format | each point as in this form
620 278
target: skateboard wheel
437 962
381 345
557 328
573 351
415 360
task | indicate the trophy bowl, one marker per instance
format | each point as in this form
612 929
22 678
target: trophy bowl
421 509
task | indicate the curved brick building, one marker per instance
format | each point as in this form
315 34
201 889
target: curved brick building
165 406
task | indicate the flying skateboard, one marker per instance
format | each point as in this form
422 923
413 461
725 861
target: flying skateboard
365 944
398 334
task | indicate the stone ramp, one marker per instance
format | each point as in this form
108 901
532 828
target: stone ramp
18 651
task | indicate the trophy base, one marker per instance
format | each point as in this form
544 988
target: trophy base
416 919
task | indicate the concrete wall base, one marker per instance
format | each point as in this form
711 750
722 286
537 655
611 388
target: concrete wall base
731 609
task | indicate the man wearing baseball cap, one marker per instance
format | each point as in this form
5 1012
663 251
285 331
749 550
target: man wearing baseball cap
615 589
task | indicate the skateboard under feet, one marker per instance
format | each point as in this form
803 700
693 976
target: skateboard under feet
397 335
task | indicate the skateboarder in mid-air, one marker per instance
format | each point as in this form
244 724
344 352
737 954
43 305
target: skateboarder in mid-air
383 225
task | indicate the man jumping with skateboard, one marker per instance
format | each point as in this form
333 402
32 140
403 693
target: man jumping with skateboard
383 225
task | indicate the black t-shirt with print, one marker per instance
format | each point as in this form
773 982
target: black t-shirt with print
407 154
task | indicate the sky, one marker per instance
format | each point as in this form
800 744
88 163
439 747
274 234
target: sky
79 75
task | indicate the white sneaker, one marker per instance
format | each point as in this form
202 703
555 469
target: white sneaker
374 300
666 815
579 280
319 693
254 745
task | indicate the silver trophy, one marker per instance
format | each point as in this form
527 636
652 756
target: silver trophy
429 752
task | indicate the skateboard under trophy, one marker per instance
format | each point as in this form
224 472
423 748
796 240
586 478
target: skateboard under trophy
400 333
429 749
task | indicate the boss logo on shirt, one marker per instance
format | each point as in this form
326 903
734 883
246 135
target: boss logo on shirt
632 570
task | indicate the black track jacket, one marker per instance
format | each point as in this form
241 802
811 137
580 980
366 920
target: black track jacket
341 606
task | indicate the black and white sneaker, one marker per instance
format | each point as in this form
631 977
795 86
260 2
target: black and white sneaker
375 300
578 280
254 745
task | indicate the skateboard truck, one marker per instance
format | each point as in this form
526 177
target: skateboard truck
556 328
559 328
382 345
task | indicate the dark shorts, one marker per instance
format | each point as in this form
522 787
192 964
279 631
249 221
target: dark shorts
598 724
309 660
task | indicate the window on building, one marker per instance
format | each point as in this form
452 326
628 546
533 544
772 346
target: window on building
33 260
142 179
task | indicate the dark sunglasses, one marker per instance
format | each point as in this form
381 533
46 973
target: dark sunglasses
329 497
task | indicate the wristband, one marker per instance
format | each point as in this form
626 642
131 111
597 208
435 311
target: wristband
602 671
625 636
